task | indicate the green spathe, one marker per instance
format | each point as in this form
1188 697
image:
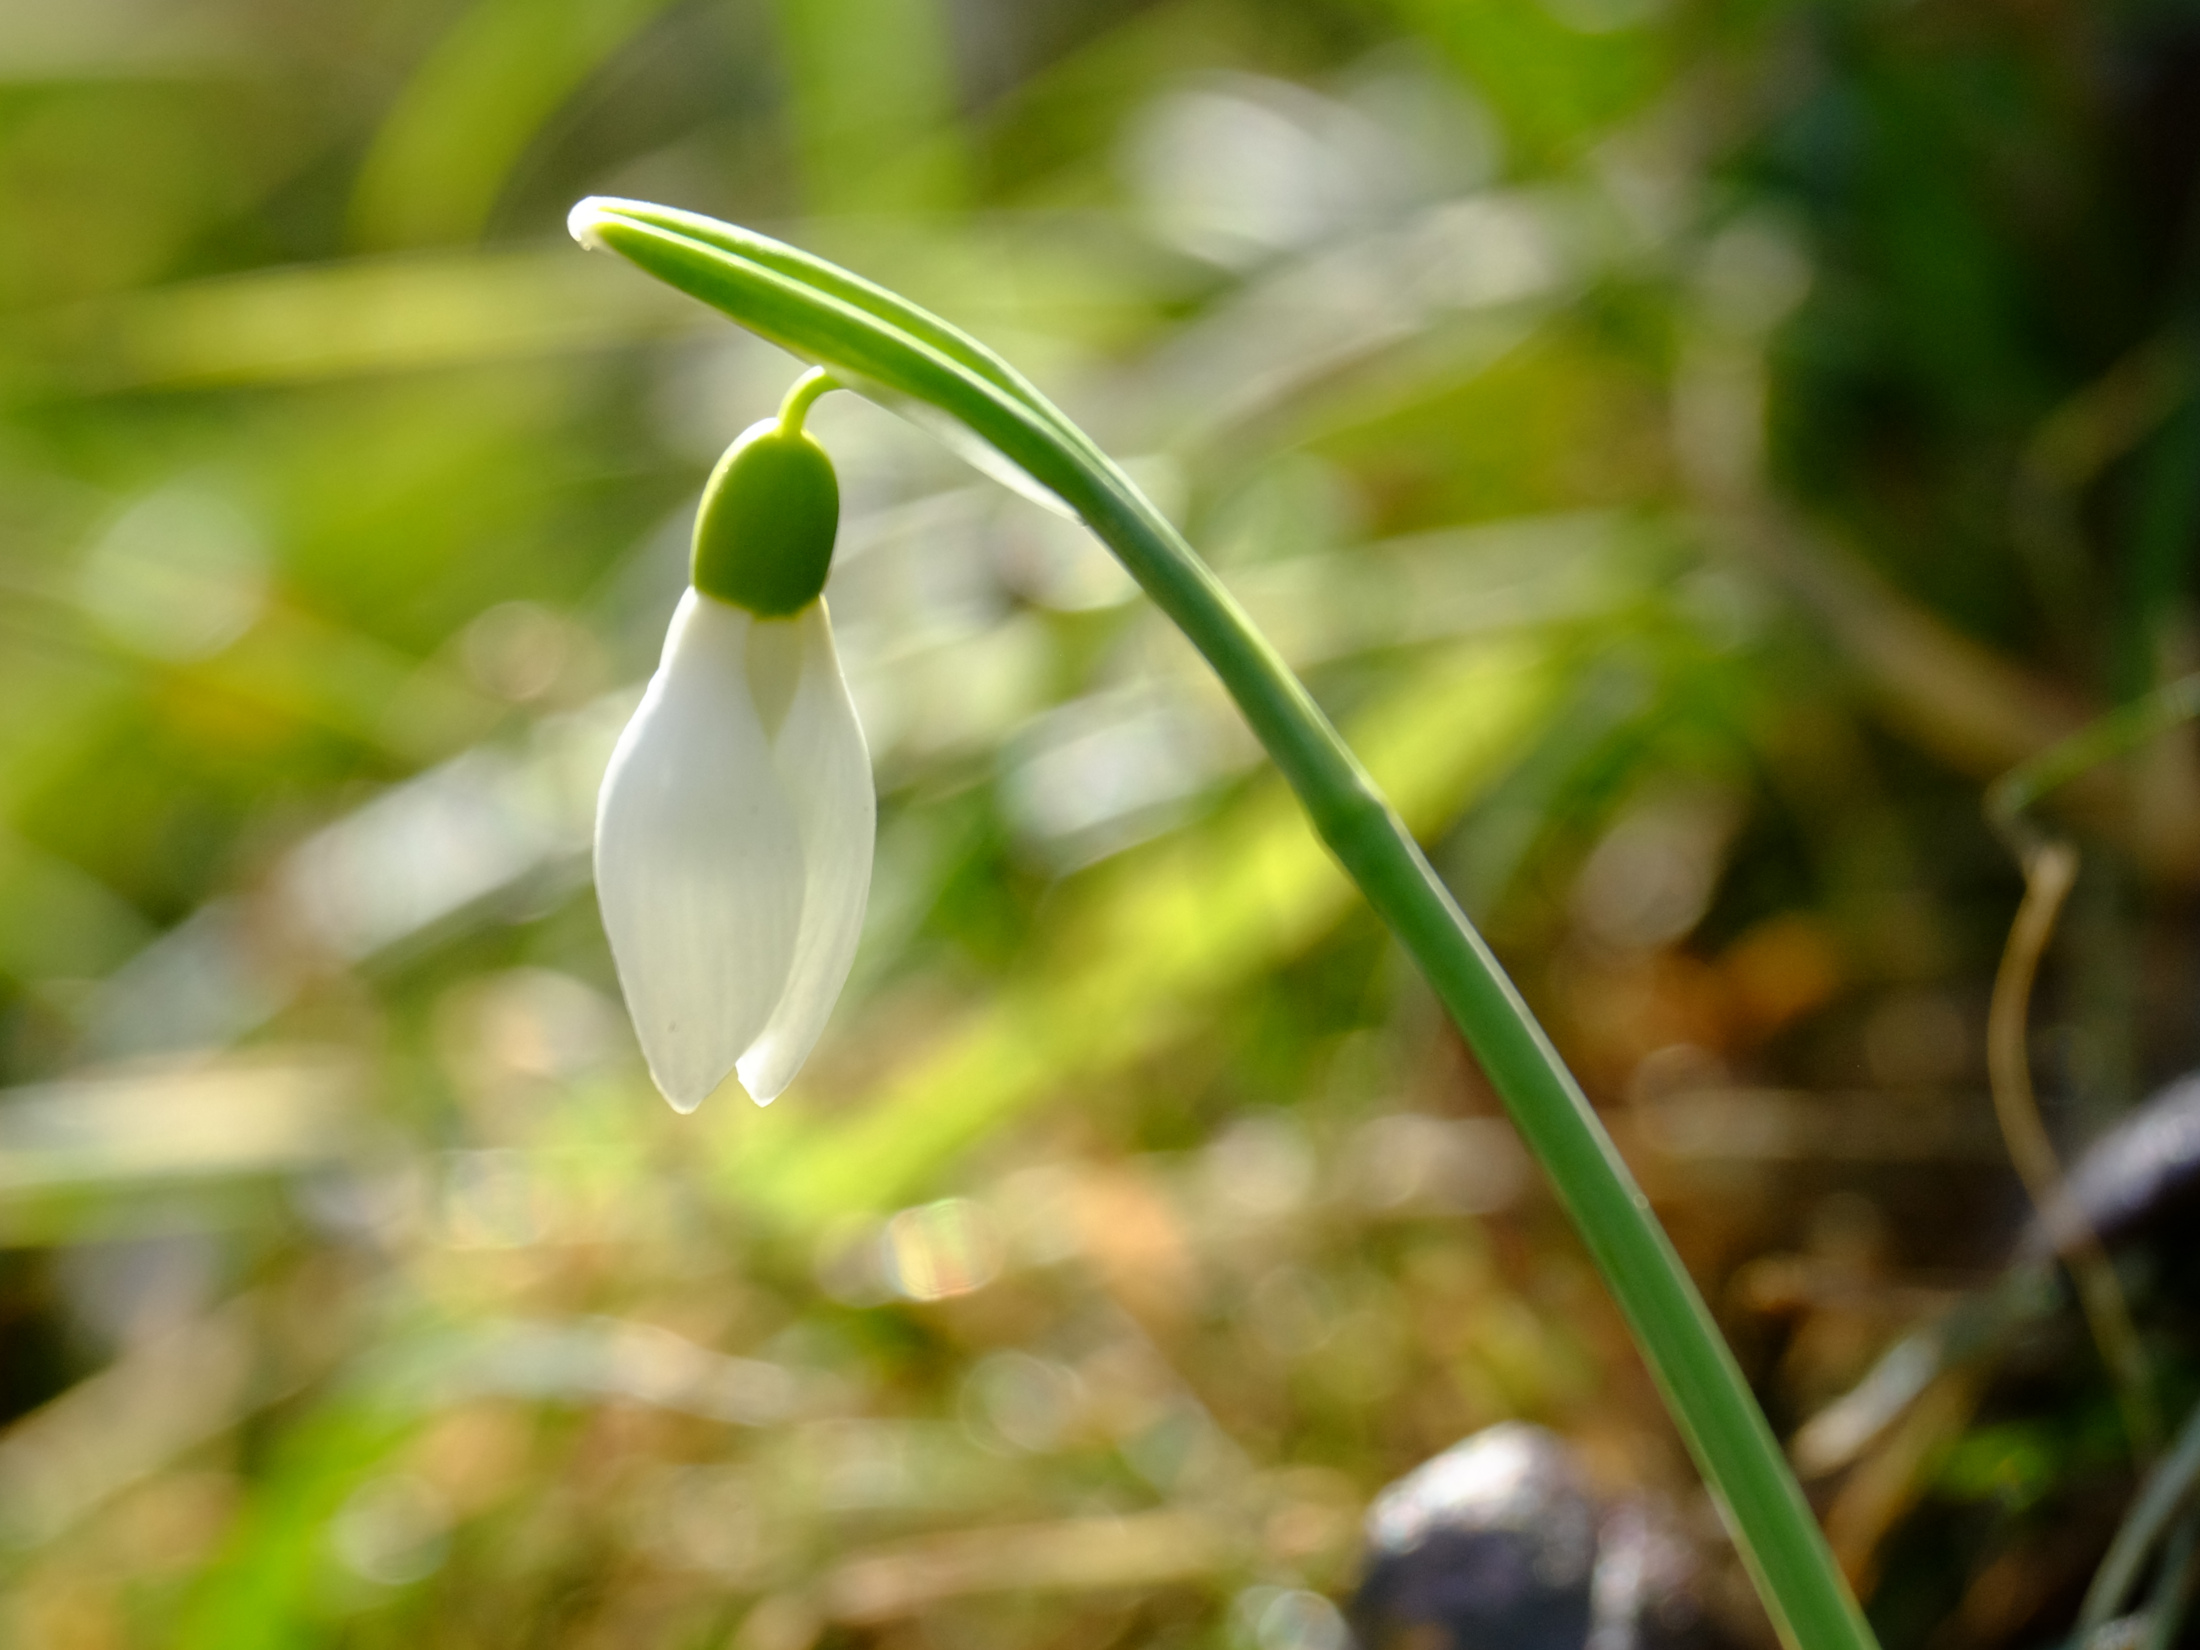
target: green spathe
764 535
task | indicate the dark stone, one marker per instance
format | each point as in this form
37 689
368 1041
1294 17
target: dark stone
1493 1543
1497 1545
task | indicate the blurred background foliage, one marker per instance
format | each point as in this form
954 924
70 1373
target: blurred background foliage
1692 446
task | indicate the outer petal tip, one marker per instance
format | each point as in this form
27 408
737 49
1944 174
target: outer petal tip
683 1100
761 1086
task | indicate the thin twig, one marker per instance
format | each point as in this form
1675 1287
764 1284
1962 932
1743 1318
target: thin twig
2173 1591
2122 730
2166 1489
2049 871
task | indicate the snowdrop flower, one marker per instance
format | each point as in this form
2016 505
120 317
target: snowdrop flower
734 829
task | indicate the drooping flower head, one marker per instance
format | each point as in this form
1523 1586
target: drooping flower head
735 824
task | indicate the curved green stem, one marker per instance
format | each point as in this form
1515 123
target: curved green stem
802 395
875 341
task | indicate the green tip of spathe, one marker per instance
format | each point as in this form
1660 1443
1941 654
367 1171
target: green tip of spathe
585 222
764 534
605 223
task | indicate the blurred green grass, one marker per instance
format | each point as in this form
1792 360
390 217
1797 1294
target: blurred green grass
1690 447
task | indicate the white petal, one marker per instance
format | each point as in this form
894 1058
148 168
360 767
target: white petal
698 864
819 749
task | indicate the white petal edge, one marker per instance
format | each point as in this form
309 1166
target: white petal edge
826 768
699 867
981 455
